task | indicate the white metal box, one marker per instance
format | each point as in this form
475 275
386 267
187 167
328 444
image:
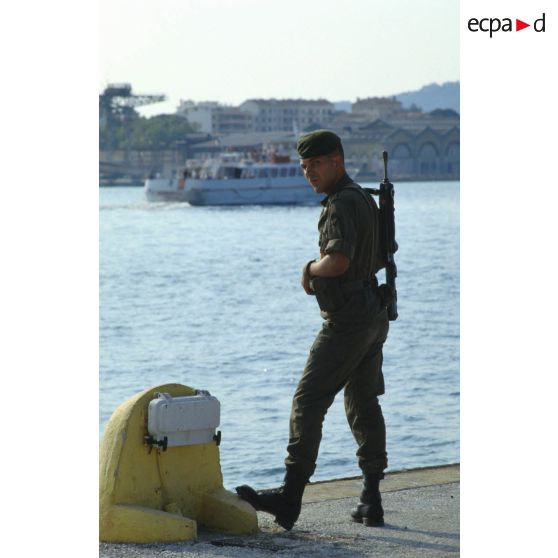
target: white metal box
183 421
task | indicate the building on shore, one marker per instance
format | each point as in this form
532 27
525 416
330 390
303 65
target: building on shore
424 153
288 115
421 146
257 115
214 118
372 108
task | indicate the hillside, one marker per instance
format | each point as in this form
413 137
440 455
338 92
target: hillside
432 97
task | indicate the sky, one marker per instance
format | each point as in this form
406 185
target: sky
232 50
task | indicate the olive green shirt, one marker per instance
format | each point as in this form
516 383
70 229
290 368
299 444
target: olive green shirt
349 224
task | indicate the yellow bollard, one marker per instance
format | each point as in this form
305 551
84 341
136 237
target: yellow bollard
149 495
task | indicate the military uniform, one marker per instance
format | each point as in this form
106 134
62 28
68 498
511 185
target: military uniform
347 353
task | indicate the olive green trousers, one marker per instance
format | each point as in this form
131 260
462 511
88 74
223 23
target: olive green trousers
345 357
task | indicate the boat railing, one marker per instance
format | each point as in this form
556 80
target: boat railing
231 166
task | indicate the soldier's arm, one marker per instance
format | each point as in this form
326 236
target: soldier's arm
339 250
331 265
342 238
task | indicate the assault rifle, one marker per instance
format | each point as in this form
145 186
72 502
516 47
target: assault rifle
387 234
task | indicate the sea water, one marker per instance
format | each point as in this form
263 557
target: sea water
210 297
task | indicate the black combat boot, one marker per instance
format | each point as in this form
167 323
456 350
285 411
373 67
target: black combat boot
369 510
283 502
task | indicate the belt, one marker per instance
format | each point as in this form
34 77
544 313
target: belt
359 285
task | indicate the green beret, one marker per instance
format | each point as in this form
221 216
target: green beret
319 142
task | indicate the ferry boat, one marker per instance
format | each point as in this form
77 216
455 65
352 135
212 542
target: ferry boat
234 179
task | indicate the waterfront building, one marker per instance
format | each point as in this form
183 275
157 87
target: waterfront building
421 146
284 115
214 118
372 108
424 153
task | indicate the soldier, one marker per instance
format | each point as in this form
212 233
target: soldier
347 353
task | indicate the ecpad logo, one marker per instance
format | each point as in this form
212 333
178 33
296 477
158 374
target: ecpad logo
494 24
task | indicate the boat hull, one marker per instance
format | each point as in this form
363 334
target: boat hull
278 191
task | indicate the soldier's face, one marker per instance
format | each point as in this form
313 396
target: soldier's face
321 172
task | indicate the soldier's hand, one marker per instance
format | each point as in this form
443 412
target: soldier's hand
305 280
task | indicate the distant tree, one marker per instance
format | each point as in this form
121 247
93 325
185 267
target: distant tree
413 108
157 132
444 113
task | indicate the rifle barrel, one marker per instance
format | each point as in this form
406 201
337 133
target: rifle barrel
385 157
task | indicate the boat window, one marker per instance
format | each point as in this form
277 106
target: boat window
229 172
283 171
263 173
248 173
274 172
299 171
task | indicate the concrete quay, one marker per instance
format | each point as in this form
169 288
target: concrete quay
421 513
